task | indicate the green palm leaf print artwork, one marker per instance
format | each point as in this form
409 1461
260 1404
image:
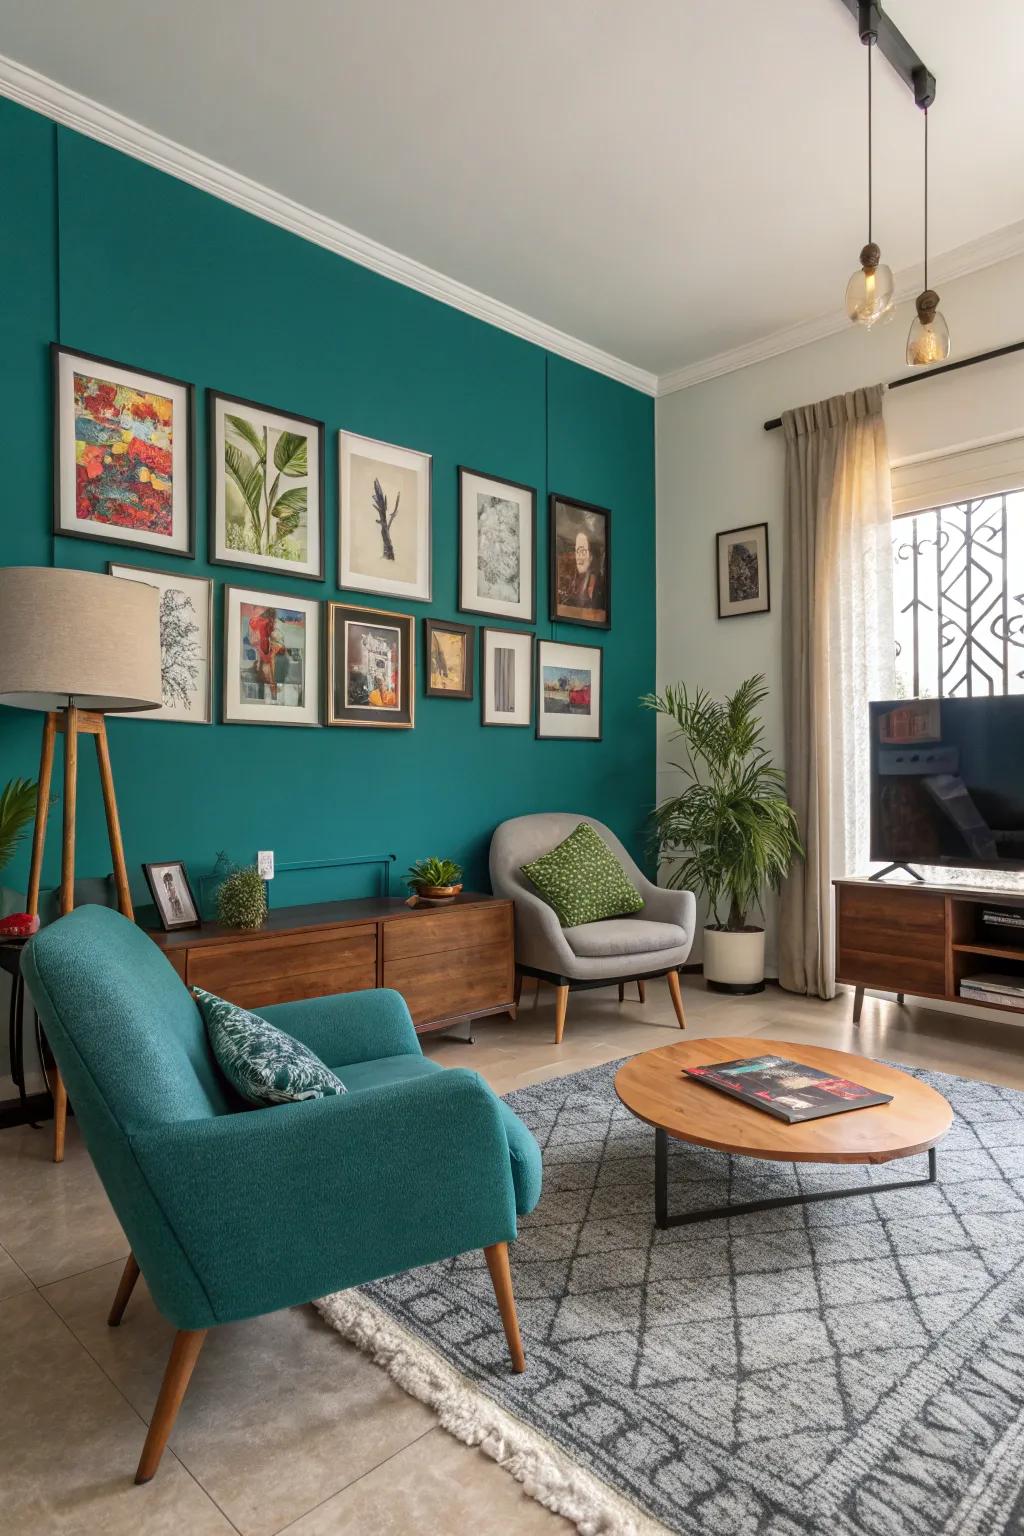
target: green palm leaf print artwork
262 517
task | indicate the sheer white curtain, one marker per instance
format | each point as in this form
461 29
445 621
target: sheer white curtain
838 654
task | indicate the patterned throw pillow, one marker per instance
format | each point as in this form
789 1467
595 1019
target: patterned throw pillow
583 880
262 1063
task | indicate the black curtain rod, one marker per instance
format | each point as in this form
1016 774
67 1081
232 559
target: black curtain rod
933 373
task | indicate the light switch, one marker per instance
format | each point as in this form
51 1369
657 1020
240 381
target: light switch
265 864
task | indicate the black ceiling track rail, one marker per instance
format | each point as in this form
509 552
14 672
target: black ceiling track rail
933 373
872 22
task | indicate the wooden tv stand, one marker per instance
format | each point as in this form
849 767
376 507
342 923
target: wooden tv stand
921 939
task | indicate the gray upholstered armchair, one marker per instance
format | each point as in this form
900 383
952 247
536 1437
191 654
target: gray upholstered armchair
655 942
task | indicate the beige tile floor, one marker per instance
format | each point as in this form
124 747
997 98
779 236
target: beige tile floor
286 1427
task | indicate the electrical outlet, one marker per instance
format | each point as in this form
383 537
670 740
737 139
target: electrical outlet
265 864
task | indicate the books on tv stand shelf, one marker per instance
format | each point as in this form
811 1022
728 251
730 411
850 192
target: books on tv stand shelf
1000 987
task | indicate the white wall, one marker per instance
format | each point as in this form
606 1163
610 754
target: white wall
718 468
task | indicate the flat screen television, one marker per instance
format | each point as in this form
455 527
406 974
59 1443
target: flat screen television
947 782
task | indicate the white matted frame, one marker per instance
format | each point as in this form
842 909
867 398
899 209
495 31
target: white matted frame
506 677
497 547
384 510
242 655
570 691
186 643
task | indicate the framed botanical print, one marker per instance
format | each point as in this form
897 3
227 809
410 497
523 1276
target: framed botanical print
271 658
186 643
580 536
448 649
506 676
569 691
371 666
172 895
122 454
383 518
266 488
497 535
742 564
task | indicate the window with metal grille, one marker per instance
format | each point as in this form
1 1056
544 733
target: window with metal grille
958 589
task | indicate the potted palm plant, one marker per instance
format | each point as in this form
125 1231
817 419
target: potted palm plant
730 834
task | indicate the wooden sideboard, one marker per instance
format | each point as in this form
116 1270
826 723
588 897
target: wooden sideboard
921 939
452 962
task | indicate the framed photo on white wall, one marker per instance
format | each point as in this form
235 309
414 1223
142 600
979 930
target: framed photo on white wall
742 567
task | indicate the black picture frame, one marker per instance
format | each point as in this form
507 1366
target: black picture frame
351 715
539 690
745 612
462 470
151 880
557 613
213 396
57 351
452 627
528 634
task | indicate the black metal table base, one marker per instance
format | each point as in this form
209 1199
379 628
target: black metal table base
662 1218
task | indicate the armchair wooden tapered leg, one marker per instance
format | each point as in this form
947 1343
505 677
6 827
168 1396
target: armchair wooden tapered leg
501 1278
622 991
561 1004
641 991
184 1354
125 1286
677 997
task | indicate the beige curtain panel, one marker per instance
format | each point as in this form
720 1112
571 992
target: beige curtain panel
837 654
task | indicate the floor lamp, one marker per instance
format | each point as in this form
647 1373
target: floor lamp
76 645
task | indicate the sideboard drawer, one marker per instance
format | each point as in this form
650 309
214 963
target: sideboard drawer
429 933
281 969
908 972
454 983
894 922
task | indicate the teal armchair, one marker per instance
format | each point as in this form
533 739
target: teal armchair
233 1211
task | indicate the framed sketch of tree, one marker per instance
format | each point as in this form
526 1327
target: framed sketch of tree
186 643
266 488
497 539
383 518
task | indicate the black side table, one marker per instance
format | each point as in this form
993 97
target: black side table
10 962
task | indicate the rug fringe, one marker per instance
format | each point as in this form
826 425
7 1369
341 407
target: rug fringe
546 1473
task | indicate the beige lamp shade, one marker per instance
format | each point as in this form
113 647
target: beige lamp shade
77 637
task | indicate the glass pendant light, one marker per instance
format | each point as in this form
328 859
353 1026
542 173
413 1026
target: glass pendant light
869 293
928 337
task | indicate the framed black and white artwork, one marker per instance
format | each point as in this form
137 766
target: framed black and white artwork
506 674
742 561
186 643
497 541
383 518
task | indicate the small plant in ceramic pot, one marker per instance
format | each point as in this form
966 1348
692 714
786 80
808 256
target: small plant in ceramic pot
435 879
731 832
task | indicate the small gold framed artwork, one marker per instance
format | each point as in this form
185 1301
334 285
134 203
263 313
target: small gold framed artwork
448 650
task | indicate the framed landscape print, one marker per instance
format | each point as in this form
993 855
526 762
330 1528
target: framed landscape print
371 666
271 658
383 518
569 679
506 676
186 643
266 488
448 652
742 558
122 454
172 895
497 535
581 562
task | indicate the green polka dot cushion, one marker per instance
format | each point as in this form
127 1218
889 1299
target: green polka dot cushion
583 880
262 1063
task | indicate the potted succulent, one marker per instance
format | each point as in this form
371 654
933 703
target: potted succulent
731 832
435 880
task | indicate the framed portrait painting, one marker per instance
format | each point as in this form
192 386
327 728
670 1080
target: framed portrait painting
266 488
569 691
186 643
497 535
371 661
506 676
122 454
383 518
172 895
271 658
742 569
448 649
580 537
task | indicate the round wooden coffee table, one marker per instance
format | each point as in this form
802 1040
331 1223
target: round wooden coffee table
653 1087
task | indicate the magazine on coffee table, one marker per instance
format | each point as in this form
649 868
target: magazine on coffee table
786 1089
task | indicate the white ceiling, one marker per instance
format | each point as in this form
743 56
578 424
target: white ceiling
664 179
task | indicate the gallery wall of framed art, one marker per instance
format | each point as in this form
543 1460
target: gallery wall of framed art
295 340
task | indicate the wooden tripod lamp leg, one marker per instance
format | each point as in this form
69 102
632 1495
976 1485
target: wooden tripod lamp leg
184 1354
67 898
501 1278
124 895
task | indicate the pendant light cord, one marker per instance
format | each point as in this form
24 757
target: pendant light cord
926 197
870 50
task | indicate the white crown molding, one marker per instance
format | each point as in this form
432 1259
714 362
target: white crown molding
56 101
986 251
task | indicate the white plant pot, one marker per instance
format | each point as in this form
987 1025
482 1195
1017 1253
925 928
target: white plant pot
734 962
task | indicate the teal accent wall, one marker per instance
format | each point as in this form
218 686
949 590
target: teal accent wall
112 257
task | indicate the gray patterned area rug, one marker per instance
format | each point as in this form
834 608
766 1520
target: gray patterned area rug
853 1367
